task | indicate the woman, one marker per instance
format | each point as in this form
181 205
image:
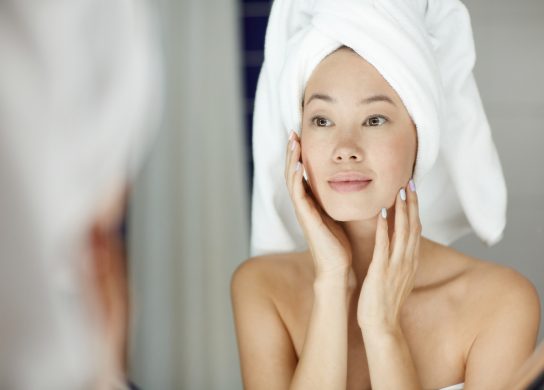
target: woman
372 303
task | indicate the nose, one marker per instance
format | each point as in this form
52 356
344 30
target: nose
348 150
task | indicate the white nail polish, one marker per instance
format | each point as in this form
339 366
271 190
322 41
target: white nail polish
384 213
403 194
297 166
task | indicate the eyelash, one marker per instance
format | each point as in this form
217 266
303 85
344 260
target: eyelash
385 119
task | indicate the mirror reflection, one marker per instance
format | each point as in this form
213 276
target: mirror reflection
271 194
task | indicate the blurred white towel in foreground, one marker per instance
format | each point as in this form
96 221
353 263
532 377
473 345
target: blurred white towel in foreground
78 98
425 50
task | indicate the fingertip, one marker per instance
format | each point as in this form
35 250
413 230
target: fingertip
291 135
382 237
402 194
297 177
412 198
382 221
298 181
412 185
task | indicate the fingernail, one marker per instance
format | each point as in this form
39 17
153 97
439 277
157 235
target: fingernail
403 194
297 166
384 213
293 145
291 135
412 185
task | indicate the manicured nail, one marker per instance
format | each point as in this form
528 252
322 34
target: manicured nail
403 194
384 213
297 166
293 143
412 185
291 135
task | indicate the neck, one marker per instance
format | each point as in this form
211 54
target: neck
362 236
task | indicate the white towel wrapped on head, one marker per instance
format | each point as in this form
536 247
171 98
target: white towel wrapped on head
424 49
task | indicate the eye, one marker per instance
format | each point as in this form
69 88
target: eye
319 121
376 120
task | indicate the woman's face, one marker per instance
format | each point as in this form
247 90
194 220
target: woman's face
358 141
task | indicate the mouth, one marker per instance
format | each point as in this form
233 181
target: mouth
349 182
349 185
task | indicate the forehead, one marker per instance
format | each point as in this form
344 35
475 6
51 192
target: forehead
346 71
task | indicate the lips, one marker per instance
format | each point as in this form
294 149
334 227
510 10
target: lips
349 182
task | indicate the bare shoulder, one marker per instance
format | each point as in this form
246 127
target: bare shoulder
501 312
490 308
274 273
502 287
258 286
485 280
508 298
489 290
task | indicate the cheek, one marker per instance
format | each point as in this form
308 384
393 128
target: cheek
397 159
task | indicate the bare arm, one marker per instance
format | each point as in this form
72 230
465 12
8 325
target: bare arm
323 361
267 355
508 337
389 360
529 372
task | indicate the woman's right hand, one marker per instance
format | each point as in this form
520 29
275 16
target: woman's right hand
327 241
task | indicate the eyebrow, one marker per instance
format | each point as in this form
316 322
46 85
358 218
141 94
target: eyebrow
368 100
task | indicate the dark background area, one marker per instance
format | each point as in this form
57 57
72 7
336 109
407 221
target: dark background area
254 17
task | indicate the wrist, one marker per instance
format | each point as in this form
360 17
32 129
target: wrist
338 280
383 332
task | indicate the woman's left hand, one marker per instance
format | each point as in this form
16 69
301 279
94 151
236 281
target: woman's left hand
391 274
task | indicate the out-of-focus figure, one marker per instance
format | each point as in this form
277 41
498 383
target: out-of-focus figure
79 100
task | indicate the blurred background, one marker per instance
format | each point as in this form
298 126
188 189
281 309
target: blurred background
188 220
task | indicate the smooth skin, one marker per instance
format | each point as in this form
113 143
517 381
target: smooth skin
372 303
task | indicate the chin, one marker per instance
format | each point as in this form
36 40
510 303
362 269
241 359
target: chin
346 213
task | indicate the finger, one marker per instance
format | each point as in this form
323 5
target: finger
289 160
294 164
380 257
329 222
415 255
288 150
306 208
412 248
311 196
303 202
401 234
